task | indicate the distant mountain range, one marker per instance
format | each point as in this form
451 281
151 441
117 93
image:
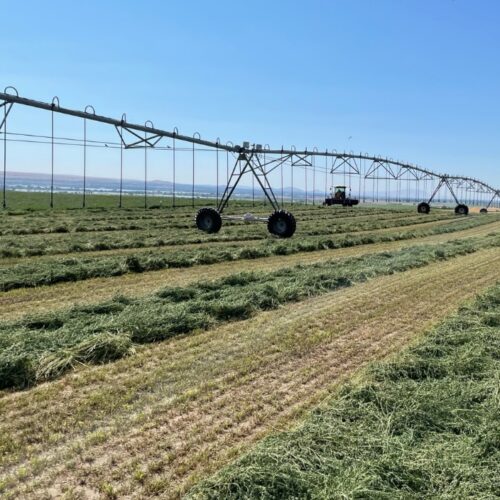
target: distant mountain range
30 181
36 182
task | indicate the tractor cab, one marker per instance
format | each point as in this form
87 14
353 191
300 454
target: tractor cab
339 192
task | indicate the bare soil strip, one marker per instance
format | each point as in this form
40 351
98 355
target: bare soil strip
157 422
16 303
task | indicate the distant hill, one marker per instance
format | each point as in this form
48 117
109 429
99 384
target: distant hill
30 181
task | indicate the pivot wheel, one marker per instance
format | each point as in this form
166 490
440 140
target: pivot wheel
208 220
461 209
423 208
483 211
281 223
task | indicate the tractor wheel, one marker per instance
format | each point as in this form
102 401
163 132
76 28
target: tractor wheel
208 220
281 223
483 211
462 209
423 208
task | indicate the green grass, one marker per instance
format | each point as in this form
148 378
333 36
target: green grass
35 201
426 425
18 200
42 347
72 268
33 236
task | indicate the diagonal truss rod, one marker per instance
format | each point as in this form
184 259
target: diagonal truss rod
276 163
343 163
142 142
248 162
495 195
6 110
444 182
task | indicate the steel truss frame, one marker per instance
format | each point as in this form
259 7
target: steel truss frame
249 162
253 158
383 168
139 142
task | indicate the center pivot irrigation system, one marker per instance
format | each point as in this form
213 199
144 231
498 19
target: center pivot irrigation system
260 162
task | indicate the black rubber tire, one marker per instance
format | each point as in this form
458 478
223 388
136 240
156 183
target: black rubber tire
208 220
423 208
281 223
483 211
462 210
350 202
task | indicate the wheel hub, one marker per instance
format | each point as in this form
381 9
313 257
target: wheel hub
207 221
280 226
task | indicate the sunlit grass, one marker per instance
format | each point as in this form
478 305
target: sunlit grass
44 346
425 425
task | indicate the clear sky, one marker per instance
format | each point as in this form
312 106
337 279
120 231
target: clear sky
416 80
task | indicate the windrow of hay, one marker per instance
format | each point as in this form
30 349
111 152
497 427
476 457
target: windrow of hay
41 347
425 425
78 268
16 303
77 243
15 246
62 231
156 422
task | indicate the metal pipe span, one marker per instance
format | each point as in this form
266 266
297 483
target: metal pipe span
53 107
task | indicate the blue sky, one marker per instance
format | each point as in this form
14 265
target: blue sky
416 80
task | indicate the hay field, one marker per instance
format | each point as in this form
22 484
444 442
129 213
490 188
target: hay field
139 357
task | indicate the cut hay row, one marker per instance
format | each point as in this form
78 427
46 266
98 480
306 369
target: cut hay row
62 269
60 242
80 222
425 425
145 244
48 221
42 347
18 302
77 222
157 422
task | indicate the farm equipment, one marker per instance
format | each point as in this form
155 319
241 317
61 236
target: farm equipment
280 223
339 197
253 159
460 209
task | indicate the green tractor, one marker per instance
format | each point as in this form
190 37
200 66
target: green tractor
339 197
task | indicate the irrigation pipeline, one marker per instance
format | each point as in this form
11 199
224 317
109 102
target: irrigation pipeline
257 159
